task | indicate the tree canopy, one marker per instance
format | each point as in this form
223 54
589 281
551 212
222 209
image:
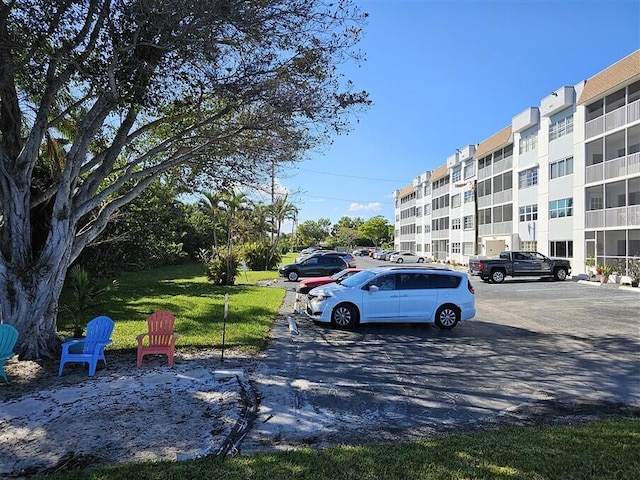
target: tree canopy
99 99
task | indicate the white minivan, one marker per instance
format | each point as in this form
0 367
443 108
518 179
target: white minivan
396 294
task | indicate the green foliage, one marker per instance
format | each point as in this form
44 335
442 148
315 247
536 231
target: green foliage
376 229
146 233
222 264
83 297
313 232
634 269
260 256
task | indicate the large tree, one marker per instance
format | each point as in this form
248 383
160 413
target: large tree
147 89
377 229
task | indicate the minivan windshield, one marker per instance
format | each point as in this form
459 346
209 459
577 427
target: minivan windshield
358 278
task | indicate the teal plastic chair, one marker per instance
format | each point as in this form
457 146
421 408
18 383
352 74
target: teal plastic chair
98 337
8 339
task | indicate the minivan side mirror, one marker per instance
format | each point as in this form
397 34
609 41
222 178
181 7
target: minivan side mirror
373 288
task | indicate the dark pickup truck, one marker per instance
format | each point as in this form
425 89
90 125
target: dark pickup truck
519 264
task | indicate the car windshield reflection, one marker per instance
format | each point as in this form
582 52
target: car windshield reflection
357 279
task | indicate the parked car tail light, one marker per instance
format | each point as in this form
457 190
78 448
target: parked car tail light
470 287
480 266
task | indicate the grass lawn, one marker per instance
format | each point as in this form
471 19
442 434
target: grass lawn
197 304
608 449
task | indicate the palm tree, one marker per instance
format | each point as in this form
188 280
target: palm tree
236 205
281 210
210 204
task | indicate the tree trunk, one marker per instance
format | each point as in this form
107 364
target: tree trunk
29 301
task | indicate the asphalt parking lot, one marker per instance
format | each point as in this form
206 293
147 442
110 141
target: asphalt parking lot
534 346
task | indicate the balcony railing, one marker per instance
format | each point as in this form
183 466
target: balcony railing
484 230
613 217
436 234
440 191
504 164
503 196
484 173
617 118
440 212
616 167
502 227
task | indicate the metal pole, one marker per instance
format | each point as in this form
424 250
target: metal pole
224 323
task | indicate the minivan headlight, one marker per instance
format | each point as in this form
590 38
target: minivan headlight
320 295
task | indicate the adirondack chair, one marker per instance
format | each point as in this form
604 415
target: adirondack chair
161 339
98 337
8 339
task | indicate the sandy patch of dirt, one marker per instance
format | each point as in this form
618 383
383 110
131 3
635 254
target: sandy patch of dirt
121 415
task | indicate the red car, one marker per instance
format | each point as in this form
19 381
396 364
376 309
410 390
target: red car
305 285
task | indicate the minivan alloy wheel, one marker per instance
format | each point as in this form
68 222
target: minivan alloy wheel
447 317
344 316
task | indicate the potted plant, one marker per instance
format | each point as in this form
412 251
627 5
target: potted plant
590 263
605 271
634 271
598 275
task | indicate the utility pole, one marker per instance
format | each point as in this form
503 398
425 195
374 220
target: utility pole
474 187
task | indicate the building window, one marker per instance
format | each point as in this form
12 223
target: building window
561 208
418 211
455 247
529 246
440 224
561 127
418 228
427 229
456 174
455 200
468 196
418 247
528 142
596 203
528 178
455 224
468 222
467 248
561 168
469 170
562 249
528 213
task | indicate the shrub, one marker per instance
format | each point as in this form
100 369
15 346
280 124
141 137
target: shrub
259 256
222 266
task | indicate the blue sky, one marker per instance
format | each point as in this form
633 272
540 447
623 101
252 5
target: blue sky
445 74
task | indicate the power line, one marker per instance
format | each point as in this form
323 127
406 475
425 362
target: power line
348 201
355 176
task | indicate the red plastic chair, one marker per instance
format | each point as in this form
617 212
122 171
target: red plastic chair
161 339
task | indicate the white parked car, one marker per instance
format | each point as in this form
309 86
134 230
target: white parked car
386 255
406 257
395 294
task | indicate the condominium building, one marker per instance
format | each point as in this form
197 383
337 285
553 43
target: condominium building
563 178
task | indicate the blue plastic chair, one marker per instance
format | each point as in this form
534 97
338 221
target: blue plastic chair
8 339
98 337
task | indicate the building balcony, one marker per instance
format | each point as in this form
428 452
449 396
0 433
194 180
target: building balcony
438 234
498 228
613 217
440 212
440 191
502 165
609 121
616 167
